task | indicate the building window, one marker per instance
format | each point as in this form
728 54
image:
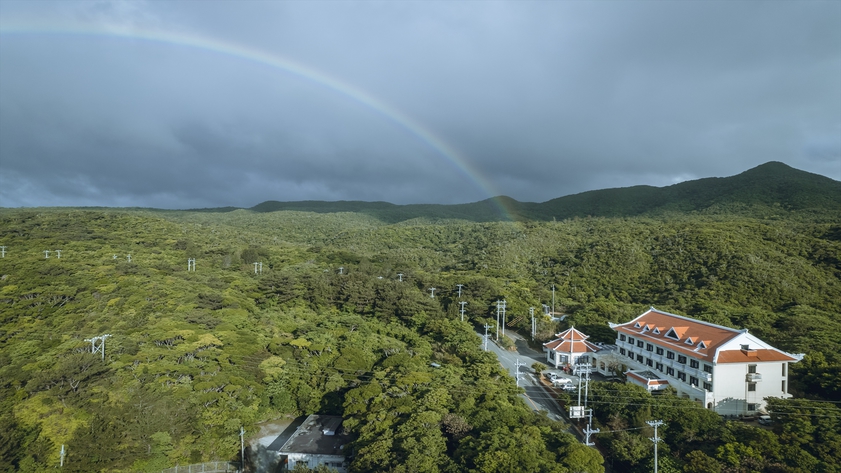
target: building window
708 386
784 370
621 351
649 362
708 368
670 371
751 387
640 343
681 376
672 334
630 354
681 359
751 407
622 337
649 347
783 387
659 351
751 368
639 358
631 340
670 355
693 381
659 366
694 364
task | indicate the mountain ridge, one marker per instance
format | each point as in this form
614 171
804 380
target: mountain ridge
773 186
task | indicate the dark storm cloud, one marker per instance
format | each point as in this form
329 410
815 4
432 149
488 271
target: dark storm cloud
537 100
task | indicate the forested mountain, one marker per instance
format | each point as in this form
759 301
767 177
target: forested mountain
328 327
765 189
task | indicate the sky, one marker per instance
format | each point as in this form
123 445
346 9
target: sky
197 104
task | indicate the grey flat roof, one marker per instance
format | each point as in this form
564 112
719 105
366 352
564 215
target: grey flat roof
310 438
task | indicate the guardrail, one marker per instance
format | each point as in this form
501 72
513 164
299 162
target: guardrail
209 467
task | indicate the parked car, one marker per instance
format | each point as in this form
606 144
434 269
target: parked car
561 382
764 420
553 376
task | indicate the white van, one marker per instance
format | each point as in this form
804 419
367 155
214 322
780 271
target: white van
561 382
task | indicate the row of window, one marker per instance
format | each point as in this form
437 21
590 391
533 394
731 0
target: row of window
669 354
681 375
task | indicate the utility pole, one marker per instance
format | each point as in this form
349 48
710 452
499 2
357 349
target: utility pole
242 448
655 439
462 309
553 300
61 463
531 313
545 309
2 251
98 348
341 269
129 258
503 317
589 430
486 336
498 306
46 254
58 252
400 277
459 289
517 364
191 264
432 292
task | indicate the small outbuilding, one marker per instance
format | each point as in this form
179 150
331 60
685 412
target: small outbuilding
317 441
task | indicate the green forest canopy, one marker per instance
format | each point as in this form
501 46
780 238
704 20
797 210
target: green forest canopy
195 355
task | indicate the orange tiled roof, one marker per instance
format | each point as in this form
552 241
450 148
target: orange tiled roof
712 336
739 356
571 341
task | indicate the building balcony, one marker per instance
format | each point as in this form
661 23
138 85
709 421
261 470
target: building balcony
753 377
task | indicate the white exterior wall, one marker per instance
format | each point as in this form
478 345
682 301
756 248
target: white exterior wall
313 460
730 388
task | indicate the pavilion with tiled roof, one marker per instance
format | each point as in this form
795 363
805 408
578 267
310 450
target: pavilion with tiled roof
570 345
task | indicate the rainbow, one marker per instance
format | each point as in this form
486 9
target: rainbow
277 63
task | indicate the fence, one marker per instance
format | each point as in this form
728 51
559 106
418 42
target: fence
209 467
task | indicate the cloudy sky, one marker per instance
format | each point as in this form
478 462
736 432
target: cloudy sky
202 104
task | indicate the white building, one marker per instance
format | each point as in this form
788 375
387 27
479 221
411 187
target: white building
568 348
727 370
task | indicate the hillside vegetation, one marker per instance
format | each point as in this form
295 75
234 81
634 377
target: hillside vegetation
327 327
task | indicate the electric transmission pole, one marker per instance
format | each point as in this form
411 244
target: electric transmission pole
61 463
498 306
503 317
191 264
486 336
341 269
98 348
459 289
589 430
400 277
517 364
531 313
242 448
58 253
129 258
462 309
553 300
46 254
2 251
432 292
655 439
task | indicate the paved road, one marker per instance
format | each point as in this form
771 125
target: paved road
536 395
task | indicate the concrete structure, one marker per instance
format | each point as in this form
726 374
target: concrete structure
318 441
726 370
568 348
